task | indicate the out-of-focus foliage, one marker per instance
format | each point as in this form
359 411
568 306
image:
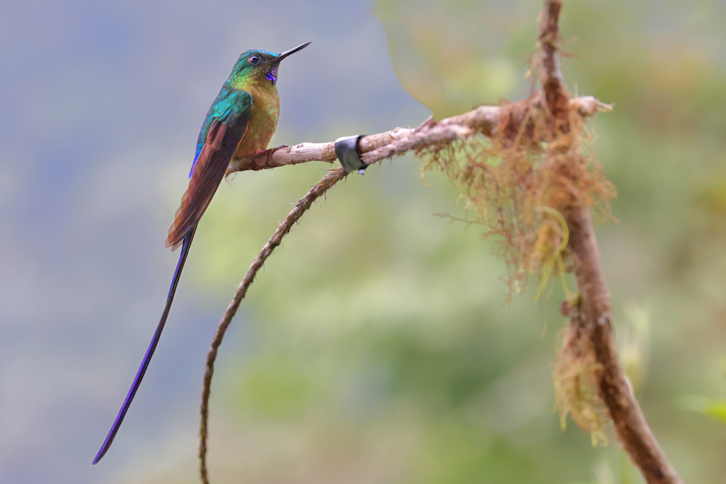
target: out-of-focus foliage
707 406
711 407
377 347
451 61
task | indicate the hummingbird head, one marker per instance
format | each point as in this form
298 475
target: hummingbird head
261 65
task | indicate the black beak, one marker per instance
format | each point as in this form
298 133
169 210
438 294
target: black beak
291 51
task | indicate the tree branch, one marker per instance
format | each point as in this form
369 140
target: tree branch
484 119
590 318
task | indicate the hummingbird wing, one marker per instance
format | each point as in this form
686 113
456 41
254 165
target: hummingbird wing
224 135
225 132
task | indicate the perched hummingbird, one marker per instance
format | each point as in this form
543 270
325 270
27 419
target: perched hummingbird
239 124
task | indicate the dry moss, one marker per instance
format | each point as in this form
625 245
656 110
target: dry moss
576 376
517 181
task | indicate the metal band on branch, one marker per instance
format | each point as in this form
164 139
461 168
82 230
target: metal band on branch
346 148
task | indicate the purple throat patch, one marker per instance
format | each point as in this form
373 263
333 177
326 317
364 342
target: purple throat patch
272 75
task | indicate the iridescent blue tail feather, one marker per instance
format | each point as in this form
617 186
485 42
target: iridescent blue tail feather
149 352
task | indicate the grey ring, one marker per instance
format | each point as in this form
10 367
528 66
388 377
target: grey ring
346 148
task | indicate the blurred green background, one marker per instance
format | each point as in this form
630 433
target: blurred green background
375 346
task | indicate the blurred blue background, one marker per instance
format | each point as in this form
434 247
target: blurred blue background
374 346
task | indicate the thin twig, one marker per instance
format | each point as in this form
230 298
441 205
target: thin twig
592 315
330 179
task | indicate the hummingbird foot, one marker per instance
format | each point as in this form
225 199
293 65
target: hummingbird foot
269 152
428 123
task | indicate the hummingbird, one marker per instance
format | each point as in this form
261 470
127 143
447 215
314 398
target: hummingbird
239 125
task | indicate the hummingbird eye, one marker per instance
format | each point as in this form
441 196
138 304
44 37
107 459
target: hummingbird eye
254 60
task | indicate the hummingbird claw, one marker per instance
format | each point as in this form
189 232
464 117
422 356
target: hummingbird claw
428 123
269 152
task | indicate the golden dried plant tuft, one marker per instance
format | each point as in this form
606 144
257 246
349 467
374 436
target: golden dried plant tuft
519 179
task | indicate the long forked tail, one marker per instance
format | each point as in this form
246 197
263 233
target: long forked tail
149 352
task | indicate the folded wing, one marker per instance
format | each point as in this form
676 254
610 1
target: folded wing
224 135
